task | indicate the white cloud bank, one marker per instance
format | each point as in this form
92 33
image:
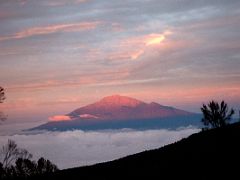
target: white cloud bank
76 148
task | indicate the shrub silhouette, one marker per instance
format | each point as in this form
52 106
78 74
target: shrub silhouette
24 167
45 166
216 115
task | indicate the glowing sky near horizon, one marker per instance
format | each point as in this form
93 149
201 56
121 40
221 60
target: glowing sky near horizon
59 55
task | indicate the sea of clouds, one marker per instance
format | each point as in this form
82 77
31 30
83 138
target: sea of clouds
76 148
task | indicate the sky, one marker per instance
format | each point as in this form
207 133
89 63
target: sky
59 55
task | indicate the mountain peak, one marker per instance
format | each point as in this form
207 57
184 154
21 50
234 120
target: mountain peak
117 107
118 100
124 111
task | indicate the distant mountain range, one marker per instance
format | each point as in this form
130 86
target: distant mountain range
116 112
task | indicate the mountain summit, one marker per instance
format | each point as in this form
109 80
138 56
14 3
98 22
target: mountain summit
115 112
117 100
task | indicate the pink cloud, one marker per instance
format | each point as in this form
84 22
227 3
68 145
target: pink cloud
50 84
19 103
73 27
60 118
79 79
134 47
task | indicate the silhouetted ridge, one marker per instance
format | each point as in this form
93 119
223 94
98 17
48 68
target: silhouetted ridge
212 154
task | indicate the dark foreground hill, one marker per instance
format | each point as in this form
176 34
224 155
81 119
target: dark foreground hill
213 154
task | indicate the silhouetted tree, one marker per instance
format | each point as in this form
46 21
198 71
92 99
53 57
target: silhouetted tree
2 98
2 94
216 115
45 166
11 152
25 168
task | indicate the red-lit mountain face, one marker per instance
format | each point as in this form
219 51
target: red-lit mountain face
117 112
118 107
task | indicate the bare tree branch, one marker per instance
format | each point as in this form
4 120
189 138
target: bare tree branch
10 153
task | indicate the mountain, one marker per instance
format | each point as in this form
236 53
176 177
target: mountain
118 107
115 112
212 154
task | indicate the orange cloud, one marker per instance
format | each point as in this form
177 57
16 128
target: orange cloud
154 39
60 118
145 40
82 26
133 48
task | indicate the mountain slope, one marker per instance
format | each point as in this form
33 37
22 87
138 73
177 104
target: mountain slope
116 112
212 154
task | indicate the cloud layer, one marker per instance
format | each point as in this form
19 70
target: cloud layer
76 148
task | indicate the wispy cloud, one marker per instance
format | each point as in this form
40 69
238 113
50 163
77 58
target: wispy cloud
90 82
134 47
44 30
125 54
